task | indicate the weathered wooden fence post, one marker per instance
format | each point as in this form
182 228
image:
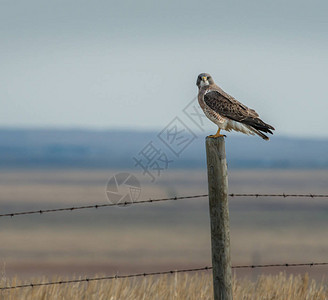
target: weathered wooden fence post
219 214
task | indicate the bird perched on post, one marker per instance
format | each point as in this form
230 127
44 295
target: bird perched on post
226 112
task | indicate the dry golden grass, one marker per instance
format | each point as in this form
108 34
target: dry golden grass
179 286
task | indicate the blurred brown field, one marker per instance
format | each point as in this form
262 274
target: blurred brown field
197 286
158 236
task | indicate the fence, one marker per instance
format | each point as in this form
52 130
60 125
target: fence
206 268
157 273
96 206
217 197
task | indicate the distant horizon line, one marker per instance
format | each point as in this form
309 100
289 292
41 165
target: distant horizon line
137 130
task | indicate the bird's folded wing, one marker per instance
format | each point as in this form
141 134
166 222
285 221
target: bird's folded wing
233 109
228 106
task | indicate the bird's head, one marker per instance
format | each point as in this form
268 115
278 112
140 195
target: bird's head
204 79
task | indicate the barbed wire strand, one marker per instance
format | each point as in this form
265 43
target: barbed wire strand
74 208
41 211
158 273
281 195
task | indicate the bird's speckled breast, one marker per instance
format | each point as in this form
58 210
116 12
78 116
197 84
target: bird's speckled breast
212 115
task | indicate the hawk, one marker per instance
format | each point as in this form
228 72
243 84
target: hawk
226 112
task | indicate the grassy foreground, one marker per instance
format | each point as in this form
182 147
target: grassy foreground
179 286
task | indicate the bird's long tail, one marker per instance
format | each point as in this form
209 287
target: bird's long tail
257 126
259 133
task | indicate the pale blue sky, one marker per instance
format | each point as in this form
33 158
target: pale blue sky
133 64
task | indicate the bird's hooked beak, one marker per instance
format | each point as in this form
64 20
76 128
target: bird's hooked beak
204 78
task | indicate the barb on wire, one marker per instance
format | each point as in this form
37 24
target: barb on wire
156 273
73 208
